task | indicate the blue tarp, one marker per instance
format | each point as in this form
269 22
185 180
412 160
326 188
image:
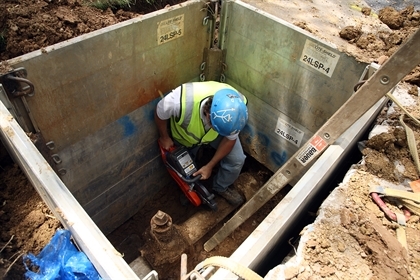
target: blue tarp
60 259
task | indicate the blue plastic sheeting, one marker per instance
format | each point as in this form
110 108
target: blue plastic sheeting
60 259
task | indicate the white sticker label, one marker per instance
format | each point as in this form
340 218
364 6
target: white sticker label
275 185
319 58
170 29
287 131
315 146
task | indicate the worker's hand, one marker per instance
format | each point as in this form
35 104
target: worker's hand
166 142
205 172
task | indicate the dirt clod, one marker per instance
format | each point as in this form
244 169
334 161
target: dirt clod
391 17
350 33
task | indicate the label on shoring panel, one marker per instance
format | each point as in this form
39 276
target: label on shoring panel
170 29
289 132
313 148
319 58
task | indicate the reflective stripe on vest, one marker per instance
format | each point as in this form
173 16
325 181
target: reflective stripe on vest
188 129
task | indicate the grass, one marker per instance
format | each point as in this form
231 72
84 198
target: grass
113 4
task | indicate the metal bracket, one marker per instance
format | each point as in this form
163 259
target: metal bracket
213 65
193 275
56 158
16 84
62 171
50 145
17 87
6 101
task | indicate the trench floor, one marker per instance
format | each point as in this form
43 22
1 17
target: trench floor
133 235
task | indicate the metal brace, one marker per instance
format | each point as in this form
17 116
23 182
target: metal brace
213 65
17 87
50 145
16 84
56 158
14 88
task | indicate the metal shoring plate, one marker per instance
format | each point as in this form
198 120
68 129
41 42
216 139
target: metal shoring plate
389 75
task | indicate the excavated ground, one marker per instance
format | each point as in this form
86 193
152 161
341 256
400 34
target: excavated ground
360 244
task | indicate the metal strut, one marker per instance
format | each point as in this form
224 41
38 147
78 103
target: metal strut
213 65
389 75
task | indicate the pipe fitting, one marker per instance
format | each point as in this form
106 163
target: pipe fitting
161 227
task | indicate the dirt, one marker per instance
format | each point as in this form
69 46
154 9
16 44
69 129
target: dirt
27 224
353 242
131 238
352 237
28 25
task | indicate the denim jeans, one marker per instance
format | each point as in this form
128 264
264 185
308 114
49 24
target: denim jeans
230 166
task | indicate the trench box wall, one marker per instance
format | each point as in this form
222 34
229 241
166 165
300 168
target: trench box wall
294 82
95 96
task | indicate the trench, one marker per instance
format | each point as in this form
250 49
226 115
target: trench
133 238
285 249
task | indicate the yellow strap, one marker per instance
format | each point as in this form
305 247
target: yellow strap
390 96
395 193
401 235
402 194
410 200
228 264
412 206
409 132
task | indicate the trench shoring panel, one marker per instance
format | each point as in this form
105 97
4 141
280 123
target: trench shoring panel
294 81
95 97
90 81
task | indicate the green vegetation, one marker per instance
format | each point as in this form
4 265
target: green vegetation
105 4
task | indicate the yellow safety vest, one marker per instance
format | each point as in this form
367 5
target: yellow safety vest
189 129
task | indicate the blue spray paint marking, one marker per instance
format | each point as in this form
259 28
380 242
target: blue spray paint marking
129 127
151 107
248 133
279 159
263 139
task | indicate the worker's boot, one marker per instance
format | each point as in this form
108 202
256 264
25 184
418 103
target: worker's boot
232 196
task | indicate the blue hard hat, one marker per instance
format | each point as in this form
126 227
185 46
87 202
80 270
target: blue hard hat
228 113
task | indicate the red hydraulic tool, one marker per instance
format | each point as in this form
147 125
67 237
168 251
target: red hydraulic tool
181 166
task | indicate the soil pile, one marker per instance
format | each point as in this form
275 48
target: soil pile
352 237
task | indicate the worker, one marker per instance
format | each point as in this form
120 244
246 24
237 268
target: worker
210 113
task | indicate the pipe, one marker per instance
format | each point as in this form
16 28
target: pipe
391 215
